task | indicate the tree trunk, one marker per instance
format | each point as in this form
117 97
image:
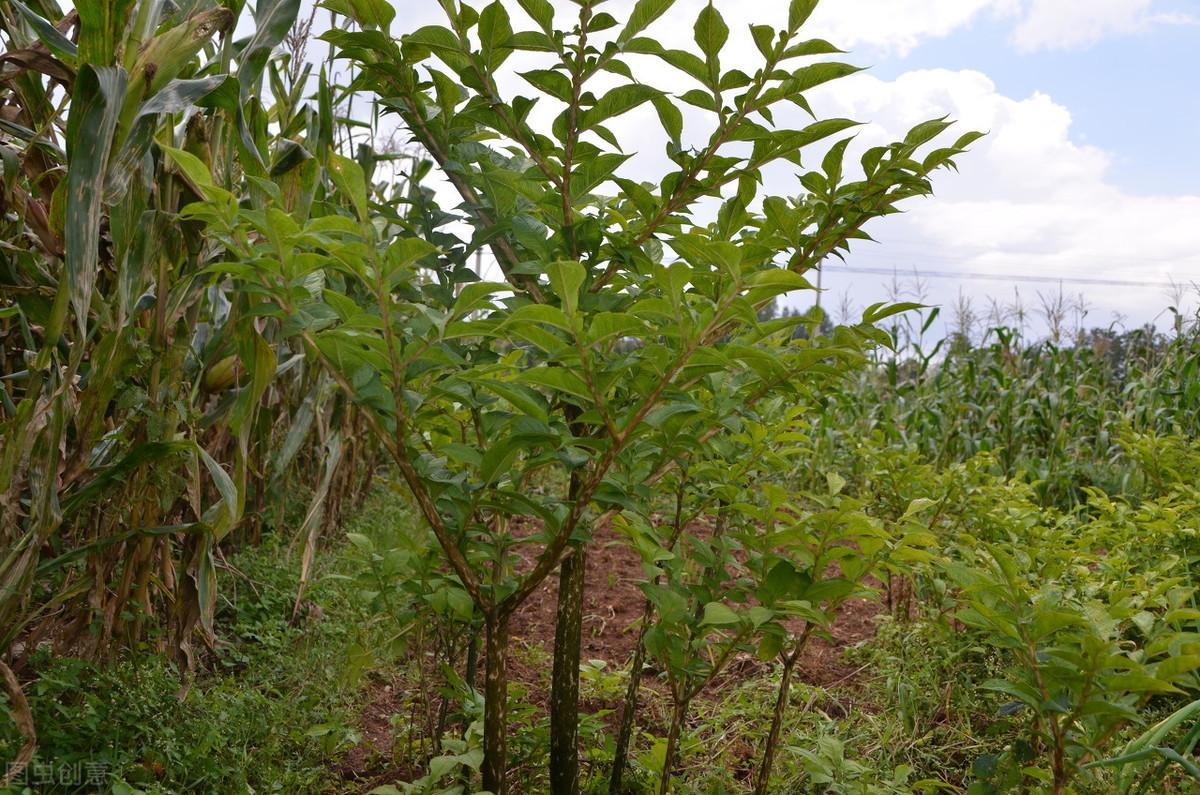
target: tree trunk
781 703
564 686
629 710
495 709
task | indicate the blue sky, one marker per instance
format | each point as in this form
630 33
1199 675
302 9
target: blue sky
1134 95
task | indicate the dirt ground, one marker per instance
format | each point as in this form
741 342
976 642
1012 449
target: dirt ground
613 606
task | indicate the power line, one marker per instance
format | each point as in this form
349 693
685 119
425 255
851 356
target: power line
1014 277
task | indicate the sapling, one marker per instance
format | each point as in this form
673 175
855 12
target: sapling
617 297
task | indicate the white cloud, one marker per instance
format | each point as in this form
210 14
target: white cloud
1064 24
1028 200
892 27
895 27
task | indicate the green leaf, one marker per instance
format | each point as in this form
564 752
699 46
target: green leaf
617 101
686 62
717 614
1172 667
174 97
764 38
877 312
541 313
798 13
769 646
520 397
919 505
661 414
101 29
566 277
367 13
710 33
1140 683
194 171
435 38
495 30
643 14
926 131
473 296
348 175
95 107
835 482
272 21
540 11
812 76
221 479
558 379
670 116
62 47
552 82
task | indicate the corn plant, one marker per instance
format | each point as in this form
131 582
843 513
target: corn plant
1046 409
145 414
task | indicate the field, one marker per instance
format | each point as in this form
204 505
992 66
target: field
370 426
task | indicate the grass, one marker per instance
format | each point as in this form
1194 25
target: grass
275 706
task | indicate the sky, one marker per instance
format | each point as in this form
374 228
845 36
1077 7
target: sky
1090 170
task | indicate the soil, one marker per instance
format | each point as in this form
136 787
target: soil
613 606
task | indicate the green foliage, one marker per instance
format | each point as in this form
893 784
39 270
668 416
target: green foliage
279 708
213 292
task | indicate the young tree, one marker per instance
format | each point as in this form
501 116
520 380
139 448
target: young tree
514 410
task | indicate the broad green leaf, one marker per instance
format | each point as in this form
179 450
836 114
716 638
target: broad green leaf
368 13
558 379
643 14
495 30
540 11
348 175
812 76
521 397
434 37
717 614
473 296
95 106
798 13
194 171
566 277
1172 667
670 116
551 81
710 33
617 101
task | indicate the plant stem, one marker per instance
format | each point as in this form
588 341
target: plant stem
495 710
678 715
564 687
629 711
781 703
